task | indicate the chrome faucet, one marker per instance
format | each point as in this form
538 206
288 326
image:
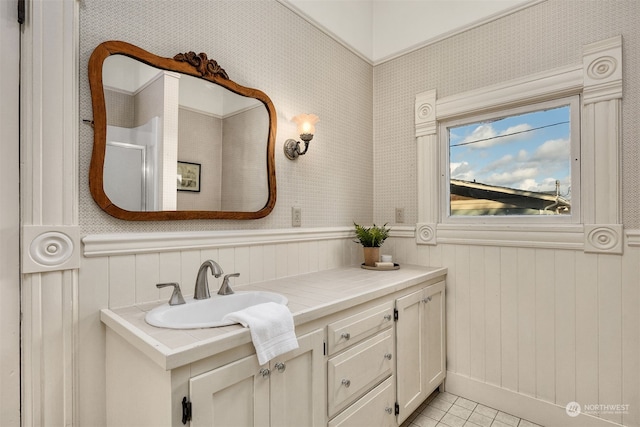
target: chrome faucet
202 284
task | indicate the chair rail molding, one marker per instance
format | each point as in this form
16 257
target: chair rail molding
100 245
599 82
633 237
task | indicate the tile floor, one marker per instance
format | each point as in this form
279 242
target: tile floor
448 410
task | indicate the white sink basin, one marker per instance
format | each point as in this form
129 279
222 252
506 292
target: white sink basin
208 313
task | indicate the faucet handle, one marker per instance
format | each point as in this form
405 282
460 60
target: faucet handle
225 289
176 296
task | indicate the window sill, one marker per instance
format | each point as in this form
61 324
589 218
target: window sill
600 238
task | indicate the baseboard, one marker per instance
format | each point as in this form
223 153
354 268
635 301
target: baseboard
529 408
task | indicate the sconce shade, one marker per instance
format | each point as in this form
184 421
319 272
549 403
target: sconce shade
306 123
306 129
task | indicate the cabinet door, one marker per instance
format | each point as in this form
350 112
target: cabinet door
236 394
410 350
434 328
298 390
420 346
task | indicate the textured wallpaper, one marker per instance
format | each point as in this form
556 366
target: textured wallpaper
362 162
545 36
261 44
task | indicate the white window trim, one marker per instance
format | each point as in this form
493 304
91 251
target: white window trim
574 103
599 82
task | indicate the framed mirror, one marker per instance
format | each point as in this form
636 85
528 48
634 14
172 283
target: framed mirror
176 139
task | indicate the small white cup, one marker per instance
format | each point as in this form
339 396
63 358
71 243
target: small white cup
386 258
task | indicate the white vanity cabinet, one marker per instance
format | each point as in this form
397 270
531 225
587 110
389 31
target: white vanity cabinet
237 393
370 352
420 341
379 371
361 355
287 392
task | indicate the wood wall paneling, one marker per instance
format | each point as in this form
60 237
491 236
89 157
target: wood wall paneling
552 325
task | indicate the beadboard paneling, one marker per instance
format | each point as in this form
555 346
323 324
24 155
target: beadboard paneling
117 278
131 278
552 325
10 218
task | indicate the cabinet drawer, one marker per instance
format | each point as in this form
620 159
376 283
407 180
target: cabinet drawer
354 372
375 409
353 329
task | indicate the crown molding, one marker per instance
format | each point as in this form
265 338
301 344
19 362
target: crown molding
378 61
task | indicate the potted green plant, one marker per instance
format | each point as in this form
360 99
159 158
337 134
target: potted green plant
371 238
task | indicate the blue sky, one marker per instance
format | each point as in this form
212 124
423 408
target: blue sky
513 152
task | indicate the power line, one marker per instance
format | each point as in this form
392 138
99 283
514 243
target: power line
509 134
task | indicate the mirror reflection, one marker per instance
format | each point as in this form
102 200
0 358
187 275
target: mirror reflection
175 142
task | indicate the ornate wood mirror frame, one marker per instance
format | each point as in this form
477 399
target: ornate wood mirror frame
197 65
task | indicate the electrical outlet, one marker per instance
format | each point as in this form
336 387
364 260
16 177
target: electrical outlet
296 216
399 215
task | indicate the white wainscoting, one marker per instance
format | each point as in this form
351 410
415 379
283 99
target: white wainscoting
530 330
132 264
122 269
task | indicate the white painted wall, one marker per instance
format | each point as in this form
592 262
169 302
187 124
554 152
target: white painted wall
402 25
350 22
381 29
9 217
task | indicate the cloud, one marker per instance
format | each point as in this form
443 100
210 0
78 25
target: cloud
462 171
549 158
529 184
523 156
553 150
534 167
485 136
505 161
512 178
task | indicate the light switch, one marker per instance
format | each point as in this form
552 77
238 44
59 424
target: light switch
296 216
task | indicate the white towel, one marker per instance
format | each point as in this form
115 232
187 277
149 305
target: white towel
271 327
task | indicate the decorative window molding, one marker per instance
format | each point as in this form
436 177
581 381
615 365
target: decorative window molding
599 82
607 238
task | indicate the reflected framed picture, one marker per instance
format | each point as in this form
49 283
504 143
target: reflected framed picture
189 177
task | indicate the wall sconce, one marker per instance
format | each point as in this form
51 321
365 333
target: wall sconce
306 129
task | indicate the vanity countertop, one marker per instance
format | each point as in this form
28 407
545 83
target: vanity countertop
311 296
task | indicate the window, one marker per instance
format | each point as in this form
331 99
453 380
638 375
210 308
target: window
591 93
514 165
